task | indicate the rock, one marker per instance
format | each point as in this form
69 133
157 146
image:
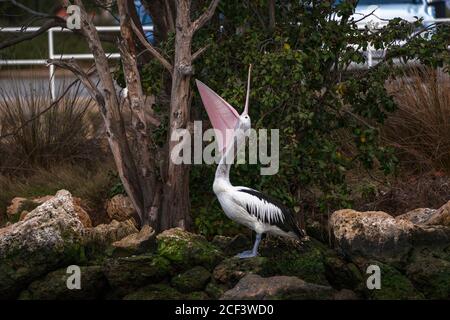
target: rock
232 246
417 216
290 258
130 273
120 208
429 271
136 243
441 216
54 286
194 279
394 284
20 207
215 290
430 217
345 294
231 270
155 292
50 235
373 234
255 287
105 234
185 250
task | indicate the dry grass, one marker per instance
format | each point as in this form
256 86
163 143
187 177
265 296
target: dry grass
64 148
420 128
64 133
92 184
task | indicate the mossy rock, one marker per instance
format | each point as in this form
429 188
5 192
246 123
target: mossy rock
194 279
215 290
305 261
231 270
197 295
54 286
127 274
394 285
342 274
430 274
232 246
185 250
155 292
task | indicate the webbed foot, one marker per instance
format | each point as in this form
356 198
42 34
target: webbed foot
247 254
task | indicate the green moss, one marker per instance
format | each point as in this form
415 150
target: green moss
430 274
126 275
305 262
394 285
194 279
214 290
185 249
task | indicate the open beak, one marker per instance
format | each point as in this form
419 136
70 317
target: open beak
222 115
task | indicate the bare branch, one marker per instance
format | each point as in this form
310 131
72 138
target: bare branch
53 104
206 16
151 49
199 52
75 68
32 35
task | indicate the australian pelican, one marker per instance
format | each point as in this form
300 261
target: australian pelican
246 206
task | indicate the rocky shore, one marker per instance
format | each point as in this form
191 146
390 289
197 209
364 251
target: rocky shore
119 262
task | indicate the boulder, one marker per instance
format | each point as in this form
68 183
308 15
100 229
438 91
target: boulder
194 279
106 234
232 246
417 216
20 207
49 236
429 271
130 273
231 270
373 234
185 250
441 216
54 286
136 243
120 208
155 292
255 287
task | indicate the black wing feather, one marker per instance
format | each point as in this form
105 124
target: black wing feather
287 224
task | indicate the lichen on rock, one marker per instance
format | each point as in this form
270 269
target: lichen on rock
184 249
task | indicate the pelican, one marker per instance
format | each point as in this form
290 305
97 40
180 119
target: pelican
243 205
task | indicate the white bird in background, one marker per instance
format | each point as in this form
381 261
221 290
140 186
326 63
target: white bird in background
243 205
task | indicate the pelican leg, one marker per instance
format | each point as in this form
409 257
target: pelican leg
251 253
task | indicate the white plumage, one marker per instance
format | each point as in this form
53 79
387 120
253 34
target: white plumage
241 204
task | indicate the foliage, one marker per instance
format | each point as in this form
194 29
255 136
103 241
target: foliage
303 85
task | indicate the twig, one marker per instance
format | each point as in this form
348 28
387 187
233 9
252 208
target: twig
151 49
199 52
206 16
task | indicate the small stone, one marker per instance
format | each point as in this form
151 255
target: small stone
136 243
120 208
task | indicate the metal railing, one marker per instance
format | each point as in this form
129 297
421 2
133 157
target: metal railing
53 55
372 54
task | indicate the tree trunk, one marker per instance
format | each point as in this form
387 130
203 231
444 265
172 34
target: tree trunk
176 205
